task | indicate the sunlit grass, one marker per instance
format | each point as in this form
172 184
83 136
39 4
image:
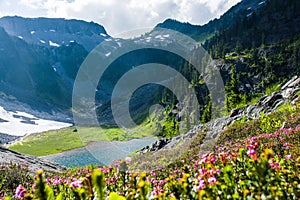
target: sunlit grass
56 141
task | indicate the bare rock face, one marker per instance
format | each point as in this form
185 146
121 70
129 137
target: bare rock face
5 138
8 156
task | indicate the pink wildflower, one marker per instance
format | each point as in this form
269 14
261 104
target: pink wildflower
289 157
212 180
213 159
201 184
202 171
128 159
251 152
76 184
20 192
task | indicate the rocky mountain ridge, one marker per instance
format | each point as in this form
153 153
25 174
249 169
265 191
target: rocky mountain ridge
54 32
201 33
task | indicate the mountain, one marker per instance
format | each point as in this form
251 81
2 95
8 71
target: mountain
260 50
201 33
255 45
40 58
51 32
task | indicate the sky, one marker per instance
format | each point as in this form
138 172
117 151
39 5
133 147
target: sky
119 16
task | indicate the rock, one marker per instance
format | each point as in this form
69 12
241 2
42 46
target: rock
288 83
234 112
287 93
268 102
250 109
34 163
261 100
2 120
5 138
294 83
293 102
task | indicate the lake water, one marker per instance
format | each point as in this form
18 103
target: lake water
99 153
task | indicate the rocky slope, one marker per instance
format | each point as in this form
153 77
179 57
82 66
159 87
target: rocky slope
267 104
8 156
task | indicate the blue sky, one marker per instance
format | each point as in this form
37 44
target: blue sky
119 16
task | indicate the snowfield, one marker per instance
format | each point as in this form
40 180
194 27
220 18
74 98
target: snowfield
21 123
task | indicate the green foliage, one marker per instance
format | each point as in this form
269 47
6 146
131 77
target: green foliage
98 182
232 92
115 196
272 88
170 128
206 116
42 191
11 176
259 55
268 124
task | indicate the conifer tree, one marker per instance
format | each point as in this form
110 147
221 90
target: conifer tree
232 92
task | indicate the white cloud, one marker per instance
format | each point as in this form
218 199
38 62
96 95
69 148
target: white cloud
120 15
34 4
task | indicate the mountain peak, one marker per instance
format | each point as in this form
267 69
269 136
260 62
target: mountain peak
53 32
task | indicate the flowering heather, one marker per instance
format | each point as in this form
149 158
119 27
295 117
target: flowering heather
20 192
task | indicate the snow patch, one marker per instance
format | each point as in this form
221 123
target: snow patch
53 44
21 123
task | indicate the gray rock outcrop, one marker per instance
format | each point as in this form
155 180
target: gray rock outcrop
8 156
